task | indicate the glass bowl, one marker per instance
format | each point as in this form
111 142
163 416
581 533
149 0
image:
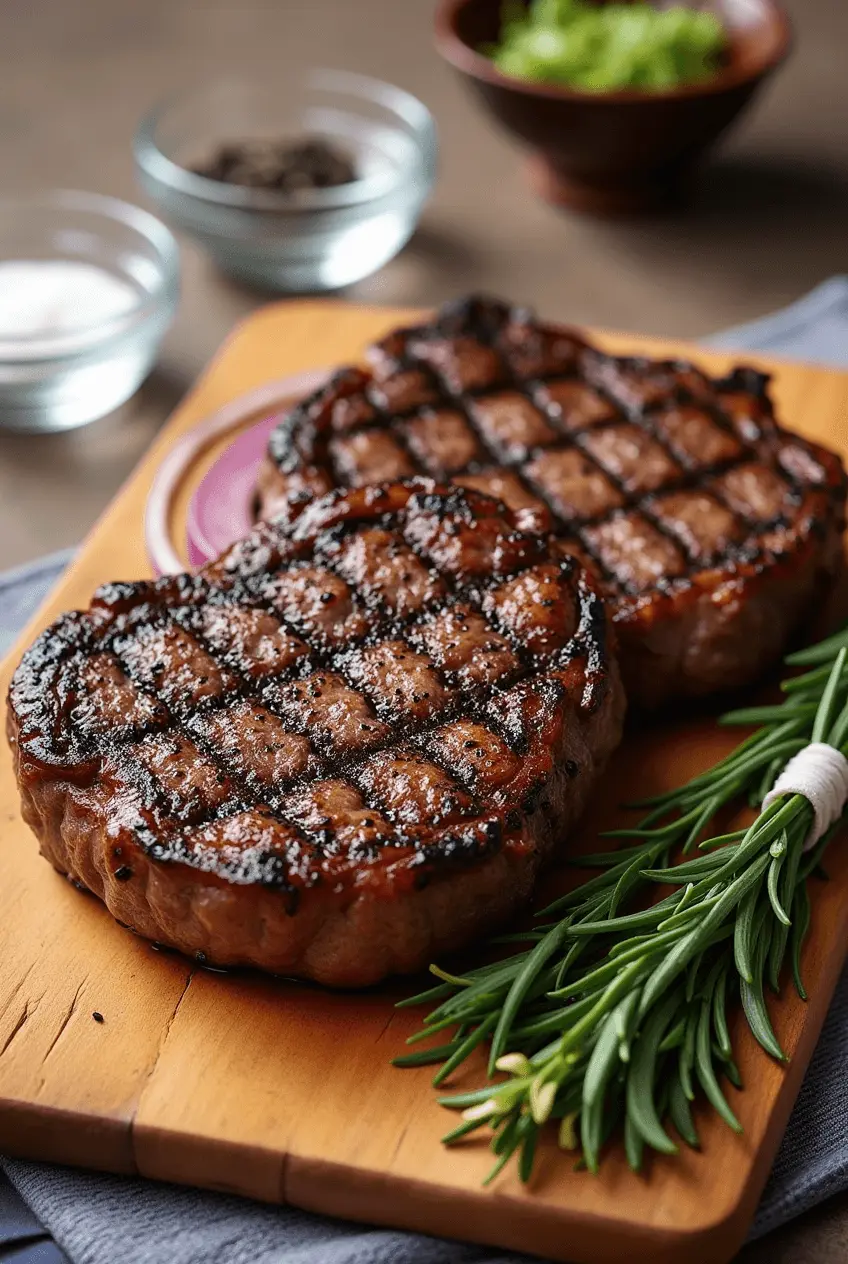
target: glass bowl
67 379
309 240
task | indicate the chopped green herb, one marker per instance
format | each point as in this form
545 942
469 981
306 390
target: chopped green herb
604 48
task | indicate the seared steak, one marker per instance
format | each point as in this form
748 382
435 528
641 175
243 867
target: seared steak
342 749
714 532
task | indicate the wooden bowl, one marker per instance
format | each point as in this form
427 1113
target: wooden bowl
615 152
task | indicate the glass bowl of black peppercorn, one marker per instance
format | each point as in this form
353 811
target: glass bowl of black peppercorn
301 187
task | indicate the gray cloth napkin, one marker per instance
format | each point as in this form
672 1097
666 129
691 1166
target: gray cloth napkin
23 590
814 328
113 1220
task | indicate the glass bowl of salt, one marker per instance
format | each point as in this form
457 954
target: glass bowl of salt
88 287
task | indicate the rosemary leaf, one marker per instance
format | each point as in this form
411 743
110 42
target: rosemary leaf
424 998
686 1061
465 1049
425 1057
634 1144
773 881
461 1101
689 871
521 985
819 676
528 1149
828 701
743 936
751 990
766 715
603 1062
722 1034
731 1070
632 878
681 1113
706 1074
463 1129
823 652
674 1038
504 1141
800 926
641 1107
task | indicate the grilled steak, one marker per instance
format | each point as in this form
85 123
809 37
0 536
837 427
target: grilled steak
341 749
713 531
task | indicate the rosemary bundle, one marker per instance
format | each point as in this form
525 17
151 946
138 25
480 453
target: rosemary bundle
611 1020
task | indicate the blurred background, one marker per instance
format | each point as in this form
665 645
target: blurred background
769 220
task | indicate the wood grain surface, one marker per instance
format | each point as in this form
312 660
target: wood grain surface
284 1092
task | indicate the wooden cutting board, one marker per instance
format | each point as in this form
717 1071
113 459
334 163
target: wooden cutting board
284 1092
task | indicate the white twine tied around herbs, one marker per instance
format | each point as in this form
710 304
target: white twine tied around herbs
819 772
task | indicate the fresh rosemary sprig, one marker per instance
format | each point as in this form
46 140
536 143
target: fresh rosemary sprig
612 1019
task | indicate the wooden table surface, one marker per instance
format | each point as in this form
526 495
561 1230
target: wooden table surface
770 222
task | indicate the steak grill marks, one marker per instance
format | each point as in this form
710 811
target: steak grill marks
649 468
242 697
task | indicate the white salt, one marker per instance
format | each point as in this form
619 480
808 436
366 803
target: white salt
54 298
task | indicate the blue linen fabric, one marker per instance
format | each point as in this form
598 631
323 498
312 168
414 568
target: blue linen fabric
98 1219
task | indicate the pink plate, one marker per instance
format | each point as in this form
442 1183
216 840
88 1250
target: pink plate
221 509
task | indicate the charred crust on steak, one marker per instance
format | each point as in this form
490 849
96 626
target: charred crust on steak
373 692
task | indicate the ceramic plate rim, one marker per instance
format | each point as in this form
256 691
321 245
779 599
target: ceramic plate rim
265 399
